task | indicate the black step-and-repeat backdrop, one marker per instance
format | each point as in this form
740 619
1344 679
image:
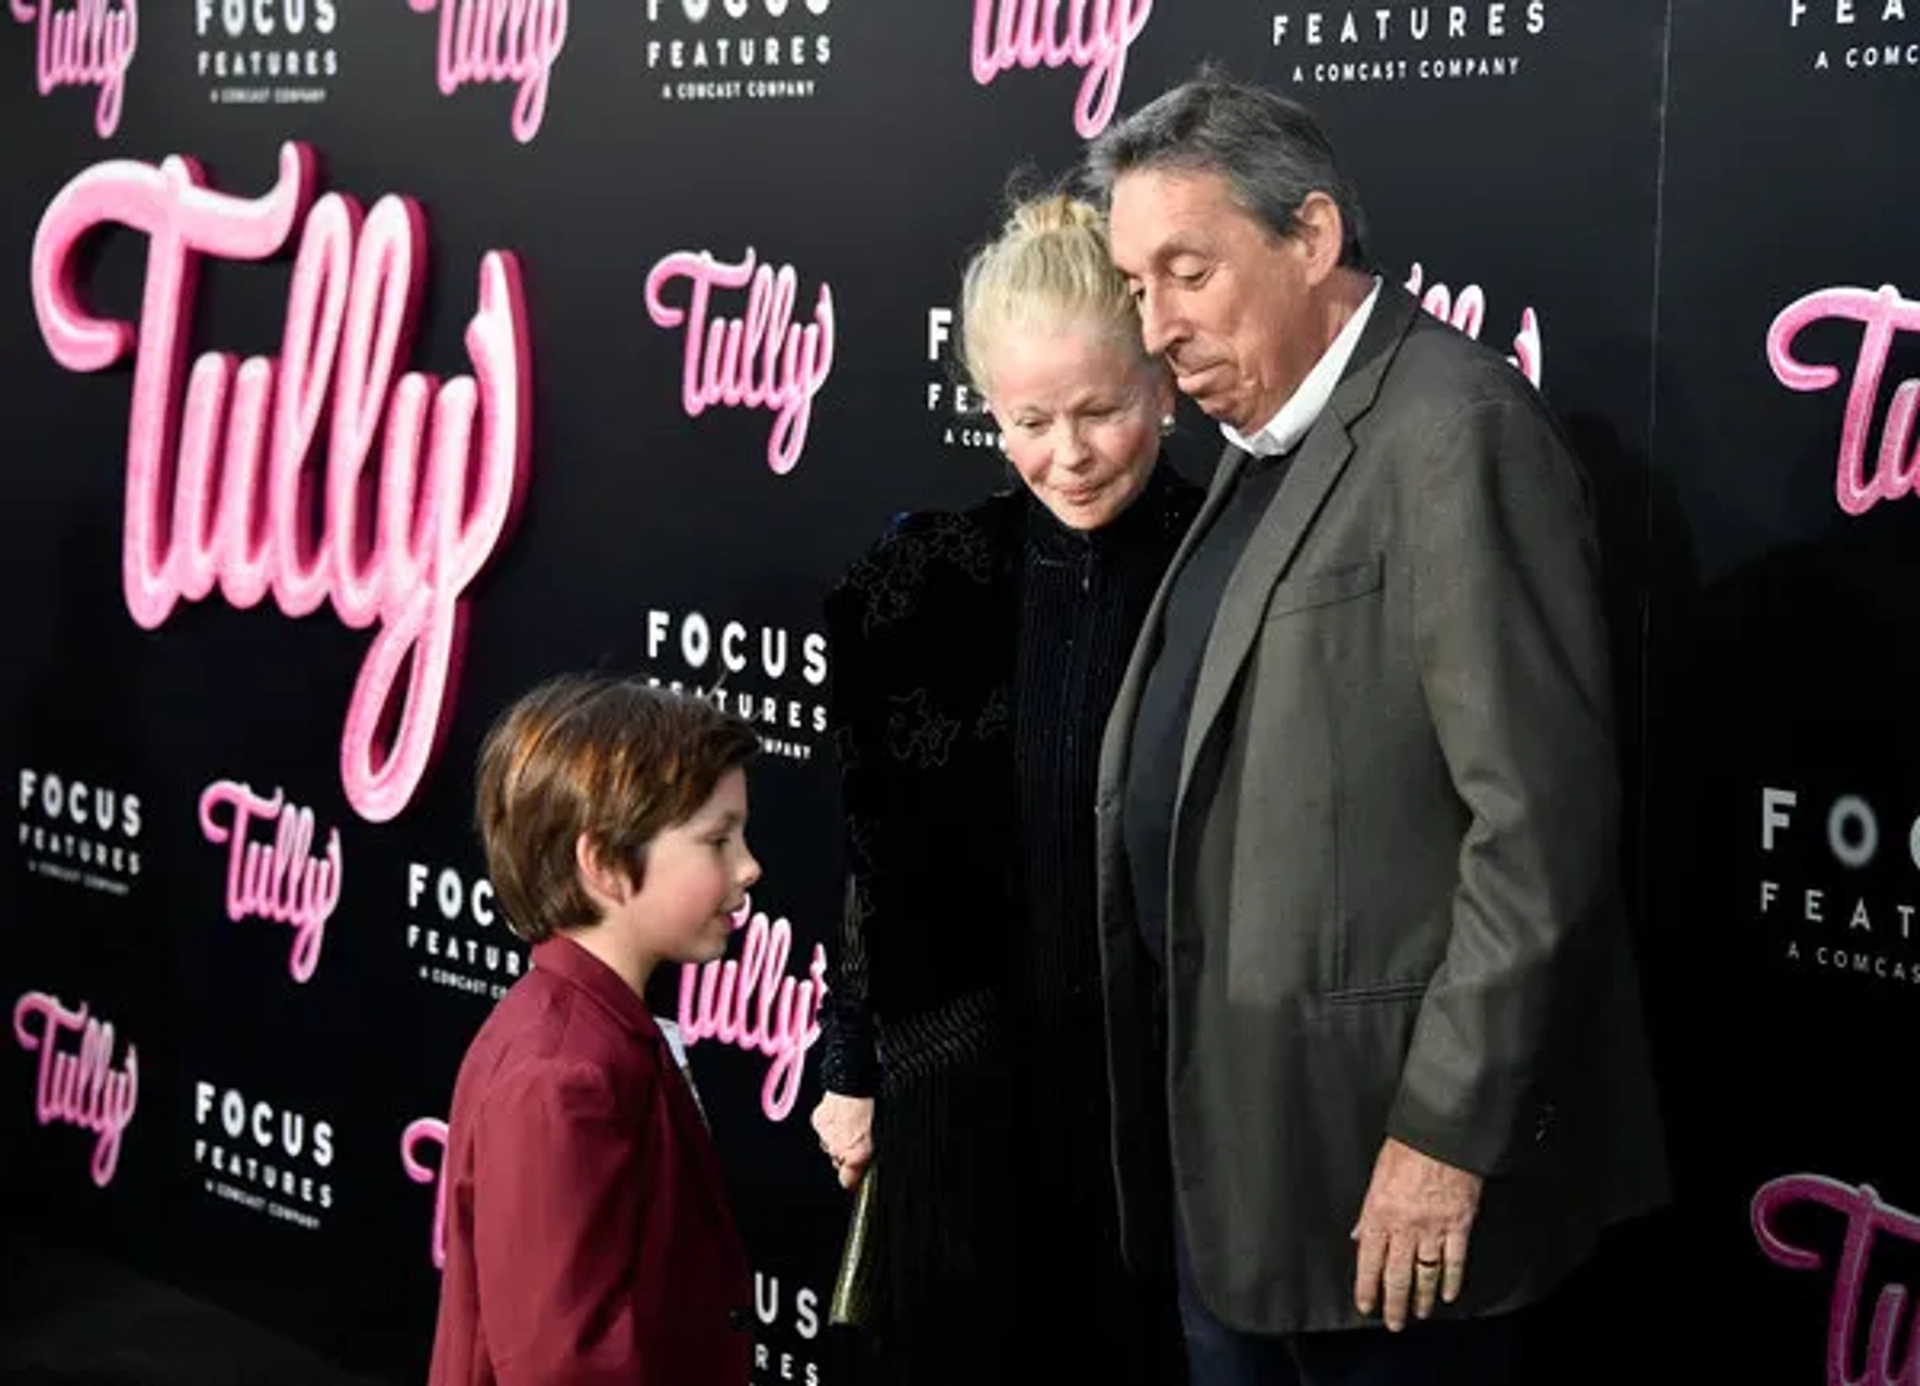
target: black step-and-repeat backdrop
369 360
1785 659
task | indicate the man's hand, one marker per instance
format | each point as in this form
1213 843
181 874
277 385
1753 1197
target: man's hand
1413 1233
845 1128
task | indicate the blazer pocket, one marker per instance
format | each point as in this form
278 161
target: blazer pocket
1309 590
1376 993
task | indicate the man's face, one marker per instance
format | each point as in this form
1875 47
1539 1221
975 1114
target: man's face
1227 302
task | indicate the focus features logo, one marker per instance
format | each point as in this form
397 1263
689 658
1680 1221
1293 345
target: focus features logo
1837 886
269 1159
265 52
769 675
1858 36
965 422
80 832
1363 45
786 1344
456 936
738 50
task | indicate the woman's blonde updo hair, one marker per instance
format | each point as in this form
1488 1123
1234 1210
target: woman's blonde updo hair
1048 268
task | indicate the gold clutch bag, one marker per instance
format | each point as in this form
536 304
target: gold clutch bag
853 1286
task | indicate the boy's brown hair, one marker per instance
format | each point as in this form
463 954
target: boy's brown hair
610 758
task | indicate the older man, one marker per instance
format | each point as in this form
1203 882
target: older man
1361 923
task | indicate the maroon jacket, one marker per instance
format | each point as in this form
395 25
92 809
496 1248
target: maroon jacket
588 1236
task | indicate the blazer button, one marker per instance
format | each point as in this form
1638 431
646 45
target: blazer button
740 1319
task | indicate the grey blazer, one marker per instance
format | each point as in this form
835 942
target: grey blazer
1394 903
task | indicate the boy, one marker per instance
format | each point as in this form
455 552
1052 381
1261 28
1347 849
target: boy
588 1238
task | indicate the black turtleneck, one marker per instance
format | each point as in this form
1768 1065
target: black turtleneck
1083 598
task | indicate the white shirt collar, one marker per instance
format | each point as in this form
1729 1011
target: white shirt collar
1304 406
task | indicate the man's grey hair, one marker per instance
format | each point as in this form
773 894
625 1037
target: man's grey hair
1270 150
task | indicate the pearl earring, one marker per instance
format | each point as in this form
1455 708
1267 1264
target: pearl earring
1166 425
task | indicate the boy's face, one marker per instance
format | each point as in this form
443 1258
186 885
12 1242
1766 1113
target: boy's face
696 875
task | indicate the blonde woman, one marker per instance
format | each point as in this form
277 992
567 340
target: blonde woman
975 657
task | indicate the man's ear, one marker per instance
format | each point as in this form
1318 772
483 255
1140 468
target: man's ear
1321 232
608 883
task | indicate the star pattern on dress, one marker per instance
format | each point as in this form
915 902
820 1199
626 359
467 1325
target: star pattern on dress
918 733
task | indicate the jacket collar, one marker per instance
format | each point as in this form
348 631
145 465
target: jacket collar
1283 432
1393 314
566 961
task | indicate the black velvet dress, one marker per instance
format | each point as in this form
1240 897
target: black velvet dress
975 657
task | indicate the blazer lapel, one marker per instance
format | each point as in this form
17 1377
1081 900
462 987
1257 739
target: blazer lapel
1322 458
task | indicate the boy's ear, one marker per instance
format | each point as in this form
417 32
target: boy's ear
608 882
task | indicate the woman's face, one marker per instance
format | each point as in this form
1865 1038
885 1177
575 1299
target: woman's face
1080 413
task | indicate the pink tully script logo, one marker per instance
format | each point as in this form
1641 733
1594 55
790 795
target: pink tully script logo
79 1087
1468 311
753 1005
90 45
1866 1217
501 41
422 1133
1881 314
221 476
1093 35
277 881
764 360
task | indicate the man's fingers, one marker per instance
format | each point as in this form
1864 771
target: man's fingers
1454 1272
1366 1275
1398 1280
1427 1262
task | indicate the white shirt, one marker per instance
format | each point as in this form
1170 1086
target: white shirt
1303 407
677 1046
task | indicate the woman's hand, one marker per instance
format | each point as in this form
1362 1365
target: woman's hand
845 1128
